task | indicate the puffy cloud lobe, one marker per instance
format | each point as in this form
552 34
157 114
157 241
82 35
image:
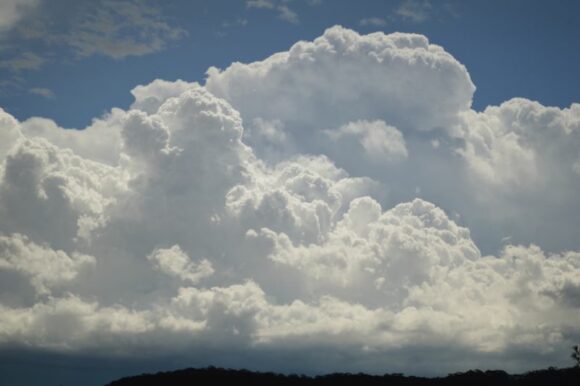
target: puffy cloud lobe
509 157
406 82
302 198
519 143
149 97
52 195
9 132
175 262
381 143
520 158
180 238
45 267
99 142
376 255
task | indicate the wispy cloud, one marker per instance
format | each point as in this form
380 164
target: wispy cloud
282 10
267 4
24 61
116 29
287 14
373 21
121 29
415 10
43 92
239 22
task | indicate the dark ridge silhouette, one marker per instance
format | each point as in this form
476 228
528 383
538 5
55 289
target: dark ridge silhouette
218 376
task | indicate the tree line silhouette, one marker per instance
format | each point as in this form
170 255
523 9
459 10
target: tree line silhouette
219 376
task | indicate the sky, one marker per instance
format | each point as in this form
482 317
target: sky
298 186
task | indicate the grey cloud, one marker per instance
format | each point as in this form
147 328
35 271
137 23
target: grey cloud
43 92
373 22
120 29
24 61
116 29
12 11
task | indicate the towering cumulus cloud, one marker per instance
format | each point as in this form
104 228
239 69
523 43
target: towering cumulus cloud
315 211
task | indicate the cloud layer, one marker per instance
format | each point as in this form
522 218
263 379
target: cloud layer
313 206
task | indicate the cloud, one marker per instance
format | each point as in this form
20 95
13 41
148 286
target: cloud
281 8
267 4
45 267
174 261
11 11
391 60
116 29
273 214
398 87
120 29
380 142
43 92
24 61
373 22
414 10
291 101
101 141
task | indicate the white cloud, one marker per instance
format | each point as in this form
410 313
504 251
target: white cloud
174 261
517 143
380 142
101 141
308 87
482 163
45 267
9 132
169 228
149 97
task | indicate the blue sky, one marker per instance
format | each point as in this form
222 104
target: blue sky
304 186
511 48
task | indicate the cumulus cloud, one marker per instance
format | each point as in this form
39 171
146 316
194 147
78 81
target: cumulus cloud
273 212
303 100
44 267
404 82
